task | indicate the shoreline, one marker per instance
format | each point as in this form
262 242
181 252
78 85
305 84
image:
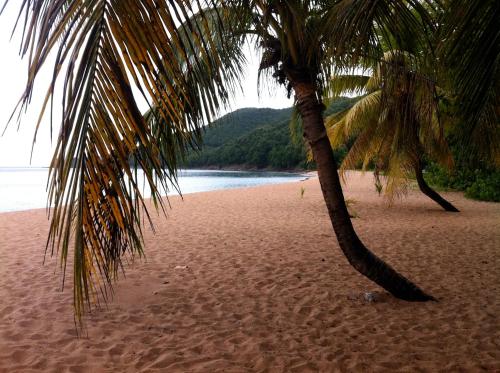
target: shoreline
248 280
303 176
251 169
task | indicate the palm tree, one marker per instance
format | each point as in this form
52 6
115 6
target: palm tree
185 58
394 124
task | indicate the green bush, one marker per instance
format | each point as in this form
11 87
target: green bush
481 184
443 178
485 188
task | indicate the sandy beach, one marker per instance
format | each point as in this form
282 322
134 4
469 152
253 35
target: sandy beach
253 280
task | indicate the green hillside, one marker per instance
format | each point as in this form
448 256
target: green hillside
241 122
255 138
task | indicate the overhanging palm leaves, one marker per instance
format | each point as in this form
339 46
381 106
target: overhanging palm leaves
104 47
470 50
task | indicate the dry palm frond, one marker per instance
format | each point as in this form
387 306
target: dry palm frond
104 48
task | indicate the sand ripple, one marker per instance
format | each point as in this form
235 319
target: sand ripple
261 286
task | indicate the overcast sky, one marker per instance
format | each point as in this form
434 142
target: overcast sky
15 145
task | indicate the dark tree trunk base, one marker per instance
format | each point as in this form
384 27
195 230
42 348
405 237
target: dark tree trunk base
431 193
368 264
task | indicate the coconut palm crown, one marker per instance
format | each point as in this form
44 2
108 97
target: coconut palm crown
394 125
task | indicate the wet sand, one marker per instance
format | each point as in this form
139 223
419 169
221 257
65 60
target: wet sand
261 286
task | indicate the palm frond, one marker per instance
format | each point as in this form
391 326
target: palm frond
355 29
348 123
472 49
336 133
363 113
347 84
105 47
471 52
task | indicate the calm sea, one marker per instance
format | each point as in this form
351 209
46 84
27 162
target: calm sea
25 188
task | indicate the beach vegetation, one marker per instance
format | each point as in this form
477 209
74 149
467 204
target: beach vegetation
478 183
350 202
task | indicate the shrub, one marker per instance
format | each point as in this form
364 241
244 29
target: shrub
481 184
485 188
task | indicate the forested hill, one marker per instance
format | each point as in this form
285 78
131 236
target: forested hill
241 122
255 138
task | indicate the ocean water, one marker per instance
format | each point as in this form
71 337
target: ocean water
25 188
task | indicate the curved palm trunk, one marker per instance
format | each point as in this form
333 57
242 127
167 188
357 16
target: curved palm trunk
431 193
362 259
